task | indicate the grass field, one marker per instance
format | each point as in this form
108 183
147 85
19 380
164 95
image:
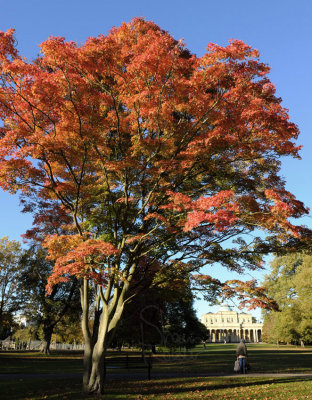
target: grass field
247 388
216 359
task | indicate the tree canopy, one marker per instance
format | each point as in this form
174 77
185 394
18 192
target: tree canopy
10 251
163 315
42 311
149 155
290 284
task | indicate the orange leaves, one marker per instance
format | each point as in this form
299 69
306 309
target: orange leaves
216 201
237 50
125 200
285 206
91 249
134 93
60 245
249 294
135 238
206 282
155 216
70 247
178 202
218 210
221 220
79 258
7 45
140 141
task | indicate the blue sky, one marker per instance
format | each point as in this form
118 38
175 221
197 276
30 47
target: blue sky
280 29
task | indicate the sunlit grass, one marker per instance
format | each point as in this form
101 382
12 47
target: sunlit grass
236 388
215 359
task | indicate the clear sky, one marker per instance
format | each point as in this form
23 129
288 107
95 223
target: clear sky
280 29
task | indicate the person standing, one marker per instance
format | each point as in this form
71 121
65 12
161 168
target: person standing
241 354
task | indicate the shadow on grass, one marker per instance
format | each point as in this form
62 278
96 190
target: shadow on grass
37 389
186 385
34 364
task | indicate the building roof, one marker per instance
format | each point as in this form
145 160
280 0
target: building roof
225 307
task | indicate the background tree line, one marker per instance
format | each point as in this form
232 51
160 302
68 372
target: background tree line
290 283
163 315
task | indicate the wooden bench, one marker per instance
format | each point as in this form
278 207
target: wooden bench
129 362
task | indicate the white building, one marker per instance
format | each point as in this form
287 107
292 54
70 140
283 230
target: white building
21 320
231 326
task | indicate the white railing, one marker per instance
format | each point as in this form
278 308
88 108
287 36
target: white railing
6 345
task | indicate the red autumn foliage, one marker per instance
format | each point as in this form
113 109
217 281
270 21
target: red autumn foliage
143 151
151 151
87 259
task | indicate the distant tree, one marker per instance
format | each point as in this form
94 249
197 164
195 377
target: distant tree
152 288
8 325
164 323
289 284
182 327
69 329
162 313
45 311
141 323
24 334
10 252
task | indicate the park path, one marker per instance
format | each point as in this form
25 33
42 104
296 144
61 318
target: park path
155 375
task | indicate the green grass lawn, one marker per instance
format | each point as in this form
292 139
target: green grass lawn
33 362
217 358
251 388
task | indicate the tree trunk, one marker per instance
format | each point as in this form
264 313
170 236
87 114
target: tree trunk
45 349
93 360
47 334
96 343
94 356
1 316
95 383
87 363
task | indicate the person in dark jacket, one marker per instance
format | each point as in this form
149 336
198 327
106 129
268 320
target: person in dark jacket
241 354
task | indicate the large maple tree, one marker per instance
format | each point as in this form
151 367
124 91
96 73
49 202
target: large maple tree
147 155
